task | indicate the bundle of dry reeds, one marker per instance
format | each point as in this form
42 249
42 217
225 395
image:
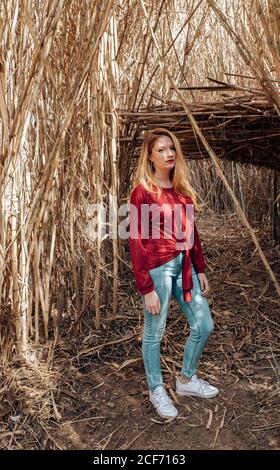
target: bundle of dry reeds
58 81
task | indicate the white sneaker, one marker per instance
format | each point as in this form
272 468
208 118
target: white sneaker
196 387
162 403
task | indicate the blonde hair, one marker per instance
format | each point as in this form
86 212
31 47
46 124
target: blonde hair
178 175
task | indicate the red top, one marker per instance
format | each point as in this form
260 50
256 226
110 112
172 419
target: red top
148 252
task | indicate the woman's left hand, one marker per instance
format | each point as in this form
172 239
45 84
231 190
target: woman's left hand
203 283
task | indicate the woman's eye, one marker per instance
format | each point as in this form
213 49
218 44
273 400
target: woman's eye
162 150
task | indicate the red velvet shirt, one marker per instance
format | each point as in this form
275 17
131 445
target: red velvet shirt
149 251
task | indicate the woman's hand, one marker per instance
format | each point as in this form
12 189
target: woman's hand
152 302
203 283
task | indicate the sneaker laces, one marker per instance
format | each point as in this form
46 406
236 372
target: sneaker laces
203 384
161 397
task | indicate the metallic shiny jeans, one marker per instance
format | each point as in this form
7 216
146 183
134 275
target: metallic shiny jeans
167 280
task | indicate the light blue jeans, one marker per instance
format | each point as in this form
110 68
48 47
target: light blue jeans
167 280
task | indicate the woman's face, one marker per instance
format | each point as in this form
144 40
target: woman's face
163 153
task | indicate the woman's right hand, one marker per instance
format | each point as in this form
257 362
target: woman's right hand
152 302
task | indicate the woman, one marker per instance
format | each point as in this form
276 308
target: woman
165 266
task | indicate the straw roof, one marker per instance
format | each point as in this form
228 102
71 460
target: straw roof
244 128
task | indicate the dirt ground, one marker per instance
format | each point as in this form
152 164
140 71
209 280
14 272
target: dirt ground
101 401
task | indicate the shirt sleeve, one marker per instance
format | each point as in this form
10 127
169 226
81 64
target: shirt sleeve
138 253
197 254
